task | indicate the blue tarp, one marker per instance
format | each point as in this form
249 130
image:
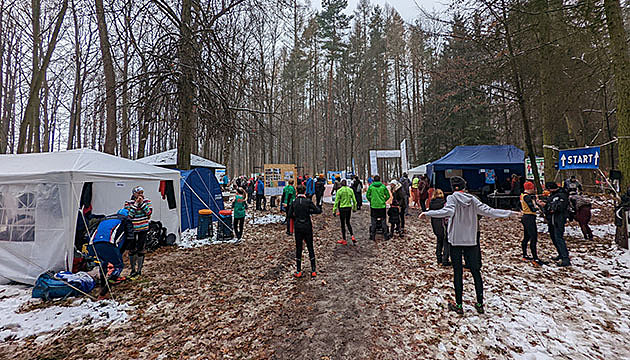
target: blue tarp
197 185
505 160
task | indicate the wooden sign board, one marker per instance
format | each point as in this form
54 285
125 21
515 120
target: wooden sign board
277 176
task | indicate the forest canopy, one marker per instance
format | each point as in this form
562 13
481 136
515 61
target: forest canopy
248 82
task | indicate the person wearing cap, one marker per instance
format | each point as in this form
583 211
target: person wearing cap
530 231
140 211
107 244
556 210
573 186
462 209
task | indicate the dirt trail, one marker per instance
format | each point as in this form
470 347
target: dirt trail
327 316
383 300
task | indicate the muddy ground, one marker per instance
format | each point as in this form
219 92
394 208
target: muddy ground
376 300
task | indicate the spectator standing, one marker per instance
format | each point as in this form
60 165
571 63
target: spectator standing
260 192
556 210
140 211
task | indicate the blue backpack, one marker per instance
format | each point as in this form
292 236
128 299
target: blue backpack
47 287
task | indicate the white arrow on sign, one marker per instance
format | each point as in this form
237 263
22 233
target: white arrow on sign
596 157
563 159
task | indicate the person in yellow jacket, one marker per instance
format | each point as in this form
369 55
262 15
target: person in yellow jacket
346 202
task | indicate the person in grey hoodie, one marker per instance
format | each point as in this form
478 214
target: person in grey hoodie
462 209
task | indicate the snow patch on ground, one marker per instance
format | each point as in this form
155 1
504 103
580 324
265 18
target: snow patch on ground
550 319
189 240
82 312
267 219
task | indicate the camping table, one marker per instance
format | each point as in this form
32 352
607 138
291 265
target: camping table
496 197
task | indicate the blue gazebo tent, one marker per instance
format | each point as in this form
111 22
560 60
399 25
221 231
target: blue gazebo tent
472 163
199 187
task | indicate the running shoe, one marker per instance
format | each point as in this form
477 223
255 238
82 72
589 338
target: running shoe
479 308
354 241
297 274
342 242
456 308
313 274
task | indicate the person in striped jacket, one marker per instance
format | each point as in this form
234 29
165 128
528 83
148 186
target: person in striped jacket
140 211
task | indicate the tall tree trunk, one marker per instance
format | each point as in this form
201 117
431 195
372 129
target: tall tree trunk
32 107
621 68
110 79
517 80
185 89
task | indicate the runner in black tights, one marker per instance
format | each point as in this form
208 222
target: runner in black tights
301 211
346 202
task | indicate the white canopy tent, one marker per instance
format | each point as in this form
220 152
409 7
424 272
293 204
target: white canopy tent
418 170
39 203
169 159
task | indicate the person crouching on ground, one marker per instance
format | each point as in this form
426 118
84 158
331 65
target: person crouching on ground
140 211
377 194
301 212
461 209
442 247
530 231
556 210
108 243
346 202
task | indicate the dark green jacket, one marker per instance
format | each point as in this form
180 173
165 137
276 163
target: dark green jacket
288 195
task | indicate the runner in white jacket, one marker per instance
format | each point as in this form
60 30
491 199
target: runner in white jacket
462 210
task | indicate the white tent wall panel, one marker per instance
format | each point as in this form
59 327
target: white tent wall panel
36 231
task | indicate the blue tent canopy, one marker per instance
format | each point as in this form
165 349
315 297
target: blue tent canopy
199 186
505 160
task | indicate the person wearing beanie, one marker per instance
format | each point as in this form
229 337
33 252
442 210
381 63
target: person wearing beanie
462 209
556 210
530 231
140 210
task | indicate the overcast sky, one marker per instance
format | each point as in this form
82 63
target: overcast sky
407 8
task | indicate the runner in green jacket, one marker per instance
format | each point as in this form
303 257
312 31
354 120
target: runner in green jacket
377 194
346 203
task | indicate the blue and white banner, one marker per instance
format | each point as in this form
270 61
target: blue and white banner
586 158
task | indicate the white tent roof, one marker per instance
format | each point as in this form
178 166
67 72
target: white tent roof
169 158
418 170
77 165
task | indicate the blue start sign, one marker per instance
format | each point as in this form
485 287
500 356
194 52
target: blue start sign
586 158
